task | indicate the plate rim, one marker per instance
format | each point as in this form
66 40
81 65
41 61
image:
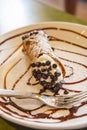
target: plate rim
51 22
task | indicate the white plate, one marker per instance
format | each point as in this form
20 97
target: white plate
72 50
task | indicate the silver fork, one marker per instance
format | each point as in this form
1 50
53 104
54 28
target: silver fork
60 101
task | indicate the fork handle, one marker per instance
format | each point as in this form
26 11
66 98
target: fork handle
17 94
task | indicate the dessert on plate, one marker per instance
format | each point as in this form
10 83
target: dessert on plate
47 69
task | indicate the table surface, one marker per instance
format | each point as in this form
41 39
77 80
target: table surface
19 13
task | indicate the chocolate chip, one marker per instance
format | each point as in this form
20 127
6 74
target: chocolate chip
43 70
34 73
57 85
54 65
52 82
51 76
44 76
55 89
43 82
48 62
48 85
38 64
39 76
48 37
31 33
23 38
66 92
35 32
33 64
52 48
57 74
28 83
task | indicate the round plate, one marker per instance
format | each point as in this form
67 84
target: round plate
70 45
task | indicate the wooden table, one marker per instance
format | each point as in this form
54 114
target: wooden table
18 13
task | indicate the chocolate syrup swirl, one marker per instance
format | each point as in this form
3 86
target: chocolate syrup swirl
52 38
27 114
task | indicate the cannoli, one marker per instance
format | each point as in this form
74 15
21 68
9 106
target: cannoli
47 69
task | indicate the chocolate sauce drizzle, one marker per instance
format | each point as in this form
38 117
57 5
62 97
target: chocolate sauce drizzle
4 104
11 54
52 38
